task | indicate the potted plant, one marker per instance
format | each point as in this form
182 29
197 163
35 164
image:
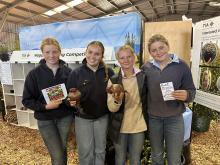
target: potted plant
202 117
4 56
2 106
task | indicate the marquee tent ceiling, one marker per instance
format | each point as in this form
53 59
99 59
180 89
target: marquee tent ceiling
32 12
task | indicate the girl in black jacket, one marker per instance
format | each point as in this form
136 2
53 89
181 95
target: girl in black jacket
91 118
54 118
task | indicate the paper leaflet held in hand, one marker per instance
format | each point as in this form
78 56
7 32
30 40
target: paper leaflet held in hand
167 89
55 93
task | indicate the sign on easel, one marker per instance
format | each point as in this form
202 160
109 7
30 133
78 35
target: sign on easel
206 62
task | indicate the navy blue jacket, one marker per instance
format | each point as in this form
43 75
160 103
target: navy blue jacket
180 75
40 78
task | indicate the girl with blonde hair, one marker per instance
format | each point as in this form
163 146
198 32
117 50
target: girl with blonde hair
54 118
128 120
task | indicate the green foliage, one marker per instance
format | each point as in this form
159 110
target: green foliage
146 154
4 56
1 93
3 49
130 39
116 69
200 110
17 45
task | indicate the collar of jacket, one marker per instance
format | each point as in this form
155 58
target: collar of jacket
43 63
135 69
173 57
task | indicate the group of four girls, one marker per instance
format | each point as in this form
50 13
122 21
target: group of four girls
139 107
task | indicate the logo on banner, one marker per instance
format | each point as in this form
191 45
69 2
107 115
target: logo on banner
208 24
73 54
25 55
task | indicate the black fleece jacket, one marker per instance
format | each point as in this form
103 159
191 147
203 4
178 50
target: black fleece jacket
40 78
92 85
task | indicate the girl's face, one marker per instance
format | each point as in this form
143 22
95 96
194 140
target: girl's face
94 55
159 51
126 59
51 54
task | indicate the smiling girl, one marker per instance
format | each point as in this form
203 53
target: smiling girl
165 116
128 120
54 118
91 119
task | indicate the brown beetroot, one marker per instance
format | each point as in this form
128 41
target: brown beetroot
74 94
115 88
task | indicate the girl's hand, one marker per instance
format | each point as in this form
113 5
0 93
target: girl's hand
72 103
53 105
180 95
118 97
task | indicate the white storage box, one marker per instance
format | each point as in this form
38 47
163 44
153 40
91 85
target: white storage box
23 118
32 120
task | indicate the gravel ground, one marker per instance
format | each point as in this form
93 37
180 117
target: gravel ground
205 147
24 146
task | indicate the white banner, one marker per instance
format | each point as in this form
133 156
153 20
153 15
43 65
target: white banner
68 55
206 62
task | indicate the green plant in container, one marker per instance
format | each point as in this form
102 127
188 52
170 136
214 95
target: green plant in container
4 56
202 117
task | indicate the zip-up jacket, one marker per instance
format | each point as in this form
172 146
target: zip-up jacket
92 85
40 78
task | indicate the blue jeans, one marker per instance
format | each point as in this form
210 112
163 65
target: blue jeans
55 133
91 140
134 143
171 131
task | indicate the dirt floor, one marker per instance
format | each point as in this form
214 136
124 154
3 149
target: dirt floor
24 146
205 147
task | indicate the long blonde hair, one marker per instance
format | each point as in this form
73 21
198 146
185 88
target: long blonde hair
50 41
99 44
